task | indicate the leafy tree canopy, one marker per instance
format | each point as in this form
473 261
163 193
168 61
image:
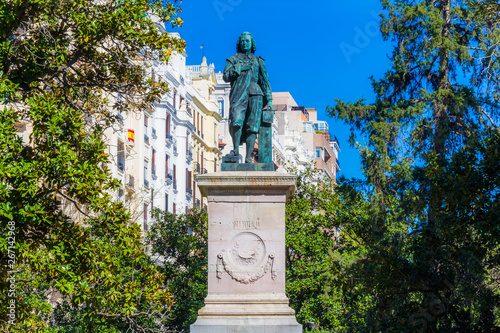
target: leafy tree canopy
179 245
61 63
321 246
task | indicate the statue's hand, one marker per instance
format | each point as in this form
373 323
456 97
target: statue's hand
270 104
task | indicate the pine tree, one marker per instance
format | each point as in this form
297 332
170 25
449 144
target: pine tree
431 167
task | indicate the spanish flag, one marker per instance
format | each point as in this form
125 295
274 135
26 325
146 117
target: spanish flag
131 135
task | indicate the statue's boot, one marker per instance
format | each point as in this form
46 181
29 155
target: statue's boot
250 143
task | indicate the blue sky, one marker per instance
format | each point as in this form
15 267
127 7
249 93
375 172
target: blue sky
318 50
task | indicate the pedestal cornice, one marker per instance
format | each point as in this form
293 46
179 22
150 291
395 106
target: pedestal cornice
246 181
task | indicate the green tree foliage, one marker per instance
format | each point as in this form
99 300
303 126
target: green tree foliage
179 246
432 231
60 62
321 247
316 257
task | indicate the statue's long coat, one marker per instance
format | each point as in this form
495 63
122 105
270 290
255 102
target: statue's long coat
244 84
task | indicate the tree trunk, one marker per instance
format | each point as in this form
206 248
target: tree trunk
441 104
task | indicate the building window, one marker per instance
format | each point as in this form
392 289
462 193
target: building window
153 164
221 107
318 152
146 137
202 159
167 126
166 166
308 127
174 178
146 182
145 226
321 126
166 202
194 191
152 199
188 182
120 195
174 208
121 156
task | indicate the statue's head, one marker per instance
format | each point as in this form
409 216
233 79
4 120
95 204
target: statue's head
243 36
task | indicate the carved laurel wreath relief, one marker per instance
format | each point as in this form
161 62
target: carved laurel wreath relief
246 259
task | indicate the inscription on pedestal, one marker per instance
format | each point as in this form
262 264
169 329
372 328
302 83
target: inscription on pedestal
247 225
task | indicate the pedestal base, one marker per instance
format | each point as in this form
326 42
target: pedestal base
257 313
246 253
247 325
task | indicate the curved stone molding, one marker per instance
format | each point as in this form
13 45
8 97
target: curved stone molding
245 261
245 277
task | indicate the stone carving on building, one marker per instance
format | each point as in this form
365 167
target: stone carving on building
245 260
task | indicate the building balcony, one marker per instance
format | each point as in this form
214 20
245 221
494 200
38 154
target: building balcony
169 139
171 108
169 180
130 183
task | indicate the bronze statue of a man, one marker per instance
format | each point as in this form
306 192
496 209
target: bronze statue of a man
250 92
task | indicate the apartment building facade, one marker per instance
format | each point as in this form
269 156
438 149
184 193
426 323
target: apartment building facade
305 139
158 152
152 150
206 119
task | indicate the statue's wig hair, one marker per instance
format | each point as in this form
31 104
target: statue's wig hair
254 44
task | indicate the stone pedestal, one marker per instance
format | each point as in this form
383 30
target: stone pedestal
246 253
